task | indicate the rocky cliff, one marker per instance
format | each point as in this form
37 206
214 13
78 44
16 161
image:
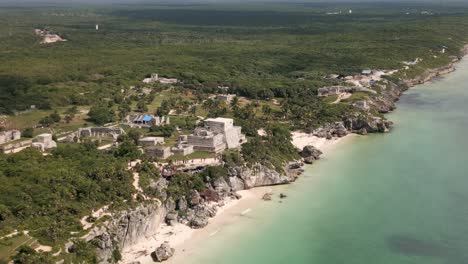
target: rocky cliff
430 74
125 228
367 116
195 209
381 97
243 177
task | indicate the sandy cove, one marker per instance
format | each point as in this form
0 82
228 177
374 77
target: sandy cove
300 140
186 240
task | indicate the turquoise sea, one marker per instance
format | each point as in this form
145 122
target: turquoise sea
395 198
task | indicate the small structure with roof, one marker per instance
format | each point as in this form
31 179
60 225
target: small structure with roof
146 120
366 72
143 120
227 98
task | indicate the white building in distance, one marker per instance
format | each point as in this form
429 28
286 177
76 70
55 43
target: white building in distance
155 78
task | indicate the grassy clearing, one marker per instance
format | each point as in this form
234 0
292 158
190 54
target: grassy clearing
356 97
32 118
8 246
194 155
331 99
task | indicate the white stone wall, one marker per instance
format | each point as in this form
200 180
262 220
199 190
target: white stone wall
183 150
44 142
219 125
213 143
232 137
159 152
151 141
44 138
10 135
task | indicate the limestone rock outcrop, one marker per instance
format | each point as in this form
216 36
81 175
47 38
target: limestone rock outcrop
310 154
195 198
372 124
267 197
311 151
163 252
197 216
160 187
125 228
221 187
430 74
171 218
336 90
243 177
331 130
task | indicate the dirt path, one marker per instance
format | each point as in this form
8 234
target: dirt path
342 96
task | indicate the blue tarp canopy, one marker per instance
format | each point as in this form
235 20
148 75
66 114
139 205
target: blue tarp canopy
147 118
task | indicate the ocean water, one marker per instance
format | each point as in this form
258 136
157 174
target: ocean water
400 197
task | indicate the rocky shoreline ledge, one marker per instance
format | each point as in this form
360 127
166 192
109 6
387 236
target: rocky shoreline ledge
126 228
369 114
171 223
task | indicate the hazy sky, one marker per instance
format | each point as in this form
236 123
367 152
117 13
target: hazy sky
222 1
100 2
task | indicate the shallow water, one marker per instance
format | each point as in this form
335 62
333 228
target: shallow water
401 197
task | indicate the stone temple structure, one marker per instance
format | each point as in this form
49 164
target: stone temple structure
183 149
160 152
44 142
9 135
233 136
100 132
150 141
155 78
217 135
205 140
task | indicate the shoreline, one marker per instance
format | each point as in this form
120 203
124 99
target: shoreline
186 240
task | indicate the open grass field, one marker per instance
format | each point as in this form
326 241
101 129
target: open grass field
8 246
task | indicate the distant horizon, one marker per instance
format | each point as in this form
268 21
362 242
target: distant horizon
226 1
181 3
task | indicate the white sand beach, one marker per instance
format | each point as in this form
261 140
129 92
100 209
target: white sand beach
186 240
300 140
